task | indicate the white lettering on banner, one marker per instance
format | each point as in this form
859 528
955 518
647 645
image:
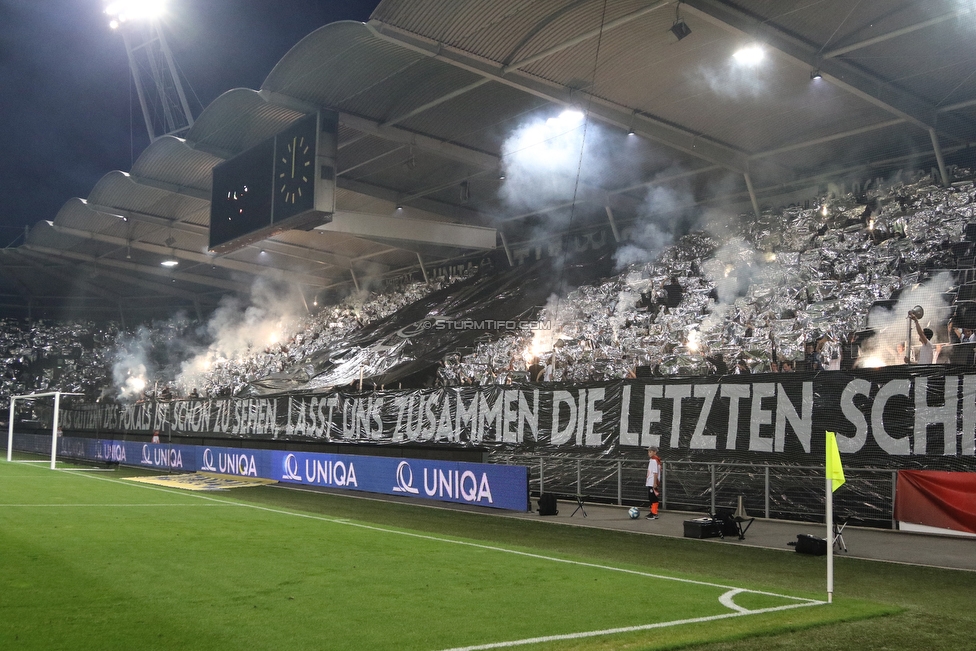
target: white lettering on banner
593 416
700 440
650 416
676 392
583 417
560 436
849 444
901 415
759 417
445 426
456 485
528 416
466 415
893 446
785 411
967 444
488 413
735 393
926 414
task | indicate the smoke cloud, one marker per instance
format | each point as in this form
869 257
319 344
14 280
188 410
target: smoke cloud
891 326
237 328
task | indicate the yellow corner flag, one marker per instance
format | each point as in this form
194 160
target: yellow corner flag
835 471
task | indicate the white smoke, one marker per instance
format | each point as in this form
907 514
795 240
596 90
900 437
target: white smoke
131 368
891 326
654 228
237 329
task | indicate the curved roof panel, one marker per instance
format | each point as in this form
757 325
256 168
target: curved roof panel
429 92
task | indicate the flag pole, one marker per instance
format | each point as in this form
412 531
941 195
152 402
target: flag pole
830 539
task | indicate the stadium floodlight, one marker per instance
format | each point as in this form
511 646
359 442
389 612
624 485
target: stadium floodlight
750 55
124 11
170 262
54 424
158 86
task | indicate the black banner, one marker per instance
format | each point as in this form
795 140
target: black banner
920 416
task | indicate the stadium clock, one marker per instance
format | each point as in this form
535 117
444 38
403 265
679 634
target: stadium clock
281 183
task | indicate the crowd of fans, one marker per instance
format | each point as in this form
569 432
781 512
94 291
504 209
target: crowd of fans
791 290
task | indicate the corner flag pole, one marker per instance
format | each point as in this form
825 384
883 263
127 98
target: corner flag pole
835 478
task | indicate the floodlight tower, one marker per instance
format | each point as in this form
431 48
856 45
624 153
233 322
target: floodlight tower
164 105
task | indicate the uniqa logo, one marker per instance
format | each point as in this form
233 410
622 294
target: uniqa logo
457 485
289 468
208 460
161 457
404 479
237 464
113 452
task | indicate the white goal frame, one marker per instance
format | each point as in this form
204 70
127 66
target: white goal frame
54 427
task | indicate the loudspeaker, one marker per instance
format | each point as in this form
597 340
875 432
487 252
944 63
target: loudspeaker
547 504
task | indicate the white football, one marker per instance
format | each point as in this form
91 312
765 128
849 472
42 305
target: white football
634 513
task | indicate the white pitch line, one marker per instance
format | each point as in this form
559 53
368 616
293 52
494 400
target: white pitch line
624 629
114 506
730 593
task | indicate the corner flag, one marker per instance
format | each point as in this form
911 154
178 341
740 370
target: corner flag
835 471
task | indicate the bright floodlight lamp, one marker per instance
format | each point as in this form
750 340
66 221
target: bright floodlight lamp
170 262
815 74
749 55
123 11
680 29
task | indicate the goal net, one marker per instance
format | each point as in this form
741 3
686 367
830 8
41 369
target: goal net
33 427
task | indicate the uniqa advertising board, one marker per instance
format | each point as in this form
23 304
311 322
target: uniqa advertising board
479 484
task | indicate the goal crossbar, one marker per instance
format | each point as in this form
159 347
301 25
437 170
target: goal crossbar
54 427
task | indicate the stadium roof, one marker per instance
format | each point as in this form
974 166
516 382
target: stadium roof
427 92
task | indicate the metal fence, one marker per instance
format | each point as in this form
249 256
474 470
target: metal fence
779 492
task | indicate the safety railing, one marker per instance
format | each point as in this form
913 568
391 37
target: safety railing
780 492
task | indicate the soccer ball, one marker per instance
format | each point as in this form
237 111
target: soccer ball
634 513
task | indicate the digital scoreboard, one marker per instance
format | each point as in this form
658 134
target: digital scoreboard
285 182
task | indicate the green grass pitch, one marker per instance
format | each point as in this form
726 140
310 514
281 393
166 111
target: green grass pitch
91 561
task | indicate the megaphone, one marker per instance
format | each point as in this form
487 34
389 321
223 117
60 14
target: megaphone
917 312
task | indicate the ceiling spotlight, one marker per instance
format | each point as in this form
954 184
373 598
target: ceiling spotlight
170 262
680 29
631 132
399 207
749 55
815 74
501 177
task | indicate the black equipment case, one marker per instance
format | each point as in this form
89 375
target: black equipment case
807 544
703 528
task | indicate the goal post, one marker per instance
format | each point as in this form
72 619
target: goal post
56 414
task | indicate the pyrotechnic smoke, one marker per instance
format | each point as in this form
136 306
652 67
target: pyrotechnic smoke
269 317
891 326
131 368
653 230
733 79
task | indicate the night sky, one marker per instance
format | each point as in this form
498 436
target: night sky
68 107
